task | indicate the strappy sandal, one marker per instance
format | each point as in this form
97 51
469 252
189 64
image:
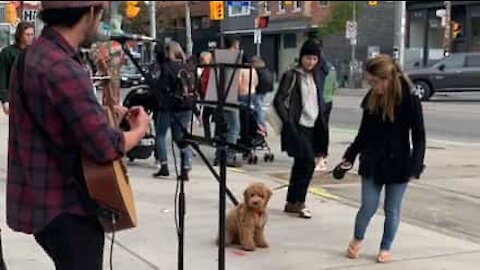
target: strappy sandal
353 251
384 256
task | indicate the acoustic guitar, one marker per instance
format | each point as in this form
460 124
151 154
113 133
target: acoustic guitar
108 184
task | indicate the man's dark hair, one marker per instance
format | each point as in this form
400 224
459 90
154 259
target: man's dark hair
67 17
230 41
21 28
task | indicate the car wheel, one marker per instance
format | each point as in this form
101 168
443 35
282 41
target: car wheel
422 90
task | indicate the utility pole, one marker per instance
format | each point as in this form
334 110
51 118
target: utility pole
401 31
188 28
153 27
353 44
447 38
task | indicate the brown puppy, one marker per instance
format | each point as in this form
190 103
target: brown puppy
246 222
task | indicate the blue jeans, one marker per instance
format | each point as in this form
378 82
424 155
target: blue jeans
232 119
166 120
370 197
258 107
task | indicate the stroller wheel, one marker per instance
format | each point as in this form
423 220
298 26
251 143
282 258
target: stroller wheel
255 159
131 159
272 157
266 158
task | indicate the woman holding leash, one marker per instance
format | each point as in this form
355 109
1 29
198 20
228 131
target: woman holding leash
392 115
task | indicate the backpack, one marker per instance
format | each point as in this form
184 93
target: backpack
265 81
182 92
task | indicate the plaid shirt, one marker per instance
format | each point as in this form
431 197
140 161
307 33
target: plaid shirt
60 95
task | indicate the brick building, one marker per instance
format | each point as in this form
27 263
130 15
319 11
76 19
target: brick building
171 23
290 25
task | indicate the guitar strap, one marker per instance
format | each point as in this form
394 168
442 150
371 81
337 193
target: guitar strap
57 152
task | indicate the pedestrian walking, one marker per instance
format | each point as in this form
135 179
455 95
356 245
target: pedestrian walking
391 144
24 36
303 134
176 106
265 86
55 120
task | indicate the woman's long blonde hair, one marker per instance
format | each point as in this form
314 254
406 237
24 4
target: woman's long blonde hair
384 68
175 52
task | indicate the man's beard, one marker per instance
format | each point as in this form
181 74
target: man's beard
90 37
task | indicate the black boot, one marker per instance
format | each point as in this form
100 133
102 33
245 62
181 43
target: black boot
163 171
184 175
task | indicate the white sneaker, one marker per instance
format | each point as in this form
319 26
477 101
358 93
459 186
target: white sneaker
321 165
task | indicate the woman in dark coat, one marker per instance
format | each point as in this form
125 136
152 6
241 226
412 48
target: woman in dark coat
391 115
303 135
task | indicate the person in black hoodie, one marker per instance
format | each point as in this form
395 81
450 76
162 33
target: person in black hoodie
304 133
391 115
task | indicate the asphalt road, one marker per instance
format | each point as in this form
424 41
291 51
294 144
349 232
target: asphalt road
451 117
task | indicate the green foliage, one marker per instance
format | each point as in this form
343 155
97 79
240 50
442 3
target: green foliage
341 13
138 25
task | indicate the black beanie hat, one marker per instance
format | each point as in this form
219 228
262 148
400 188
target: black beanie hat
310 47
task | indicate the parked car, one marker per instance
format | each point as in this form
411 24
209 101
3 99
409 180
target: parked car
130 76
459 72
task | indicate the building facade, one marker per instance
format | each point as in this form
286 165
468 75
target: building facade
426 31
171 24
291 24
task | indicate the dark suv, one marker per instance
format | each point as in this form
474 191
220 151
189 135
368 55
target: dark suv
459 72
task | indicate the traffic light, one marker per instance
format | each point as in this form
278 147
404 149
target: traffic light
217 11
10 13
132 9
262 22
456 29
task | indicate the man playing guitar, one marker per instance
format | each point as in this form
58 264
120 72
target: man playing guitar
55 116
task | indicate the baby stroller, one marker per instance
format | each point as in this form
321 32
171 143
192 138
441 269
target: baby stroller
253 137
142 96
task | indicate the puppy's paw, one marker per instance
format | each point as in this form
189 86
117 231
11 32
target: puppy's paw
249 247
262 244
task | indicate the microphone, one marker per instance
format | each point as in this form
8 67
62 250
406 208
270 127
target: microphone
121 37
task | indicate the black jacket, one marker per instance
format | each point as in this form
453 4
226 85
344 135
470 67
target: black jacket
384 147
289 106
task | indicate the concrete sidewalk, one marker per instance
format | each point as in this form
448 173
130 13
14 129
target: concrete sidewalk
295 243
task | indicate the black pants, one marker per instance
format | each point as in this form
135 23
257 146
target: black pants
208 113
73 242
302 170
2 262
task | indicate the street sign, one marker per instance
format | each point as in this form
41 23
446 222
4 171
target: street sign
351 30
238 3
353 41
29 15
257 36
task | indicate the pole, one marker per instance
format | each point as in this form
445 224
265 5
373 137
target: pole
403 32
447 39
353 43
400 32
258 43
153 28
188 28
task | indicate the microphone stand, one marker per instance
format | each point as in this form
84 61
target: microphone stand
194 141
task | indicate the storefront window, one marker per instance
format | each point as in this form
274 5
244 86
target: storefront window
4 36
475 43
435 38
